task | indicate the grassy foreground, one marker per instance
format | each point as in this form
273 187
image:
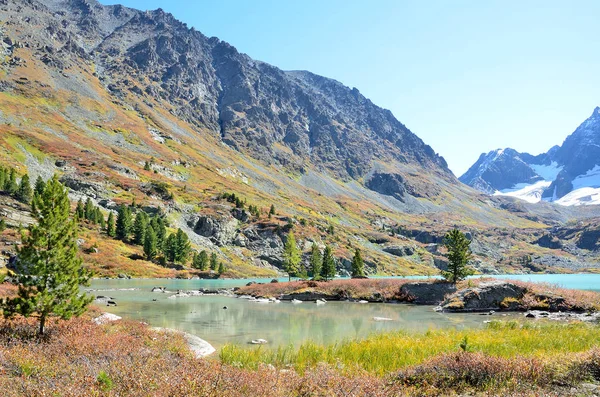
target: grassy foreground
384 353
127 358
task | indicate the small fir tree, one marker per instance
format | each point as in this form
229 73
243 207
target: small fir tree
221 268
111 230
10 183
40 185
150 244
140 224
459 254
183 247
24 191
90 211
316 261
49 271
358 265
328 268
123 225
79 211
213 261
291 256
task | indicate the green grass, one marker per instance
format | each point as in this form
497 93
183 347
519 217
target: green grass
387 352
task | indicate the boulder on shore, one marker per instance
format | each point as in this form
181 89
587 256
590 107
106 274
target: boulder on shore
484 297
426 293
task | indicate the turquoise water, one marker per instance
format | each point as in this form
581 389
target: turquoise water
285 323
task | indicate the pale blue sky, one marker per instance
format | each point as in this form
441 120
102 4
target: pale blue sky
465 76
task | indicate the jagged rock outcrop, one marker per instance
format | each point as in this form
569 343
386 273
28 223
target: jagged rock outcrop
426 293
221 229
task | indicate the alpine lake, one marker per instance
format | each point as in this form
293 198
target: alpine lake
222 319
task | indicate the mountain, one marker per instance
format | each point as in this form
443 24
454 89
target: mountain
568 174
133 107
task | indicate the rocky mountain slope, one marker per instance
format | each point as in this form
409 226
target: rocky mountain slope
133 106
568 174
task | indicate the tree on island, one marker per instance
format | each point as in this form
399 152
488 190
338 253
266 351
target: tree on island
49 271
459 254
358 265
316 261
291 256
328 267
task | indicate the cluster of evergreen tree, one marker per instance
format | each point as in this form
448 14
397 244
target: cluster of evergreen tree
322 264
150 232
202 261
90 212
232 198
241 203
22 190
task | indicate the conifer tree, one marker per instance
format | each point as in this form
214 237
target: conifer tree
110 225
291 256
24 191
139 227
171 248
459 254
39 185
79 211
213 261
99 218
221 268
272 210
316 261
49 271
123 225
200 260
150 244
358 265
328 268
89 211
3 177
183 247
2 225
10 182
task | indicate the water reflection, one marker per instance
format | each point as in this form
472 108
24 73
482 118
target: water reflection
279 323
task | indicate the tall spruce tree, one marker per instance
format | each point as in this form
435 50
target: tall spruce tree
79 210
214 264
150 244
111 230
139 227
200 260
316 261
40 185
49 271
459 254
328 268
89 211
10 182
221 268
291 256
123 225
24 191
183 247
171 248
358 265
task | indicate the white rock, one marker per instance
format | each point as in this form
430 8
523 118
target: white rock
382 319
106 318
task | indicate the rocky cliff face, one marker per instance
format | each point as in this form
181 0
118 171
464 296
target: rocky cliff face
557 175
293 119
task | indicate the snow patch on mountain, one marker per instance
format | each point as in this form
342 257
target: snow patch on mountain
582 196
548 172
532 193
590 179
